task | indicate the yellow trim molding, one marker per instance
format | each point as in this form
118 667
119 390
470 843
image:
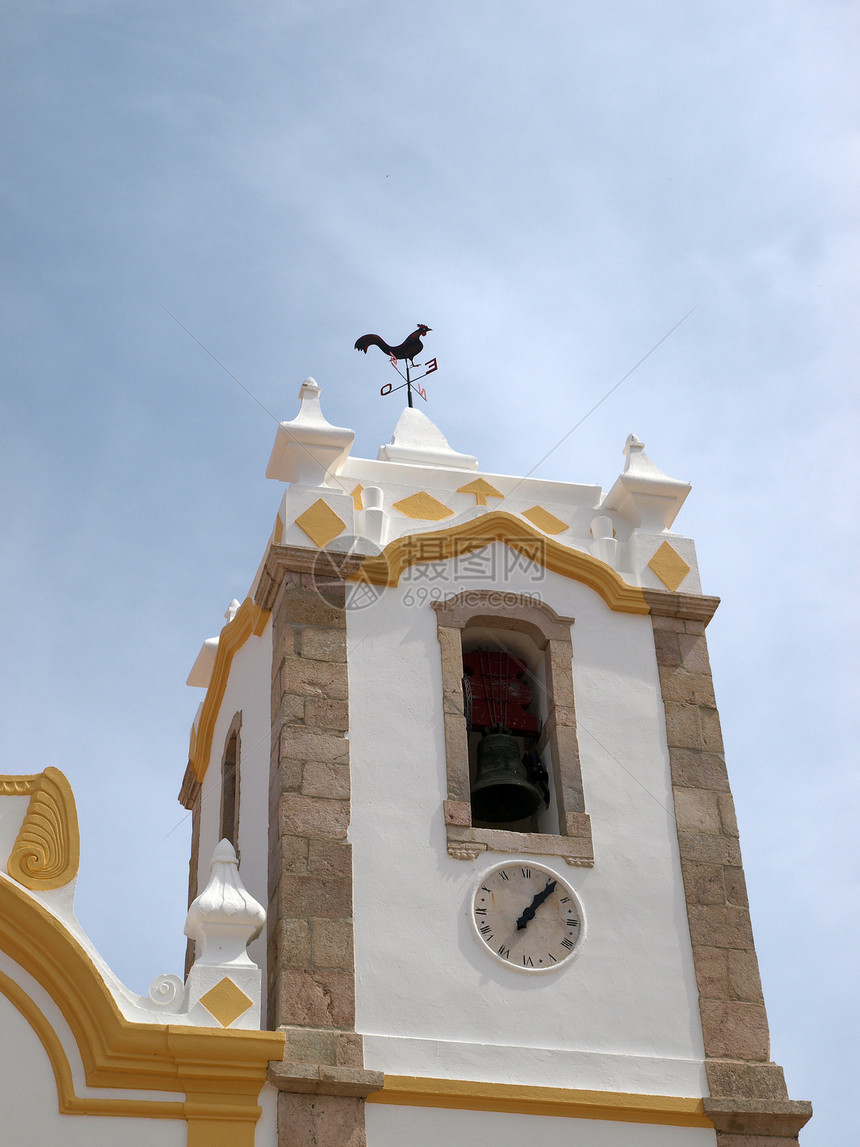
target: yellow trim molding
525 1099
249 619
47 849
498 525
220 1072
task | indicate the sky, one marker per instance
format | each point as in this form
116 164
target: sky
551 187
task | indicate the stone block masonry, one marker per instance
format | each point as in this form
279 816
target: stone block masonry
311 970
749 1103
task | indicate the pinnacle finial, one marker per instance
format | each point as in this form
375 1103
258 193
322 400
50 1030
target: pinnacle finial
309 451
633 445
225 917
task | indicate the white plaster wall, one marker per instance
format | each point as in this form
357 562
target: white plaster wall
624 1014
389 1126
266 1134
248 688
30 1110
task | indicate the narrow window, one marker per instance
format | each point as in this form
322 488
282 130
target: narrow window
230 790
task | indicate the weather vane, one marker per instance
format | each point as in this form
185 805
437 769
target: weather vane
408 349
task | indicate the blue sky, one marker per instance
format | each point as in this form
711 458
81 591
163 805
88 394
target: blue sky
551 187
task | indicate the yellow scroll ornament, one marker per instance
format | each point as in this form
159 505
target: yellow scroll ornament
47 849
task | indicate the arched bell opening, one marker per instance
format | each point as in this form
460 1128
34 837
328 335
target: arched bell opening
506 704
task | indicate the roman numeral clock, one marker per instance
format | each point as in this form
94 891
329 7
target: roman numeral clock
527 917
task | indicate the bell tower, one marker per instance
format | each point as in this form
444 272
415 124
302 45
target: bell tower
464 732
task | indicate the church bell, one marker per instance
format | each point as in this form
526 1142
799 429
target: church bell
502 791
497 698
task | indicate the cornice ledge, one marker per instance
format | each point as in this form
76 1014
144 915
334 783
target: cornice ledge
531 1099
689 606
757 1116
190 790
323 1079
296 559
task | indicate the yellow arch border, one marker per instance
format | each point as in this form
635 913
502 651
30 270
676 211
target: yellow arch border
499 526
524 1099
220 1072
249 619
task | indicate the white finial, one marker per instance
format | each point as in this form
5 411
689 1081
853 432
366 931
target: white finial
232 609
224 918
632 446
643 495
309 451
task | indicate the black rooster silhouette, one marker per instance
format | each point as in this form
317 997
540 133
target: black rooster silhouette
409 348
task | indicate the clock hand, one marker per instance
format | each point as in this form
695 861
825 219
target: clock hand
529 913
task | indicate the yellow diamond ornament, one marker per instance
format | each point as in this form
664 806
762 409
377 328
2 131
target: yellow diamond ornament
669 566
321 523
226 1002
545 521
423 506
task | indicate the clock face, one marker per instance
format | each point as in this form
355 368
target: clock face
527 917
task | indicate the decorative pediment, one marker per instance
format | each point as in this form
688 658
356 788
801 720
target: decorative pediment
499 526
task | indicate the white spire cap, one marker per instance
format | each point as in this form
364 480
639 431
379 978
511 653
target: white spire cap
309 451
643 494
419 442
224 918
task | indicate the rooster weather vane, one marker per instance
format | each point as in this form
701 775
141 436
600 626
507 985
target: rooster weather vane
406 351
